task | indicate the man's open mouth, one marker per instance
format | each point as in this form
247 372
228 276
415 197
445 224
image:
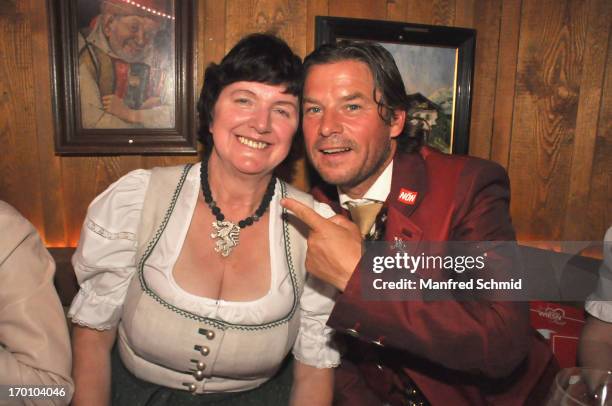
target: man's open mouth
330 151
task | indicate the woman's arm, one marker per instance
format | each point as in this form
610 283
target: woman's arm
312 386
595 345
91 367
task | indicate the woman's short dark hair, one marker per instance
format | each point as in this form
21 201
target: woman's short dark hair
387 80
259 57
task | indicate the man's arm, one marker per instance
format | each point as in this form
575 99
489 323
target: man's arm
482 337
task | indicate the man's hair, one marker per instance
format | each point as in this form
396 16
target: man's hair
387 81
262 58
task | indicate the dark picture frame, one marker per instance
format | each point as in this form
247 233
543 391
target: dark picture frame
169 133
396 35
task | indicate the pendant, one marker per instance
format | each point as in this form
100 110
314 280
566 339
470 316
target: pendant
227 235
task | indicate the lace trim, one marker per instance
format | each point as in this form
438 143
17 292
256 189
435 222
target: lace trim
85 324
101 231
326 363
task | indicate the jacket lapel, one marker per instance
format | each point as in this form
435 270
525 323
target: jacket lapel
408 189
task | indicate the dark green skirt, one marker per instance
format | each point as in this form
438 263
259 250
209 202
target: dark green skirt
128 390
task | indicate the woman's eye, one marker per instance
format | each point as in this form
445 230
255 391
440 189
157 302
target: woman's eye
283 113
242 101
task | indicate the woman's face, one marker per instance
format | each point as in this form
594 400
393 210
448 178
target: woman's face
253 126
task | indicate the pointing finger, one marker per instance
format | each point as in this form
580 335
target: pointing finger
342 221
310 217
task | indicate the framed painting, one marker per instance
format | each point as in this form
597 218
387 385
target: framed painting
123 76
436 64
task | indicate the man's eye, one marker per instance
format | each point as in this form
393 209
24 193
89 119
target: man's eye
313 109
353 107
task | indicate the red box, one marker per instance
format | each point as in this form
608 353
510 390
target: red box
560 325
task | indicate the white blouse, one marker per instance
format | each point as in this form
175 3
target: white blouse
105 262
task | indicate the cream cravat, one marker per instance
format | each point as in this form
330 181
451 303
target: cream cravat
365 216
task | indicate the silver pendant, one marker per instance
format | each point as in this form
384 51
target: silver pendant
227 235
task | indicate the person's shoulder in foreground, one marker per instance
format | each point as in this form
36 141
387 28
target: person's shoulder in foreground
34 342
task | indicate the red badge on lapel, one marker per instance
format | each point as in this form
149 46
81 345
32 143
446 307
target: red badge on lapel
407 196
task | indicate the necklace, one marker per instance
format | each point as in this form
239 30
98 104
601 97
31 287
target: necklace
225 232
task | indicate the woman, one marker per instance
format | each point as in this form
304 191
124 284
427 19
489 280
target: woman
205 289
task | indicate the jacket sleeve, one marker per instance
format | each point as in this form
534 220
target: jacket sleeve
34 342
485 337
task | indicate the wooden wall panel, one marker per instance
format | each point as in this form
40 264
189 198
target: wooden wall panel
548 85
370 9
485 76
593 67
598 212
542 103
437 12
505 83
464 13
17 109
53 209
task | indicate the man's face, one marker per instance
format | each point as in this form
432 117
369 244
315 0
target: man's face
346 139
130 36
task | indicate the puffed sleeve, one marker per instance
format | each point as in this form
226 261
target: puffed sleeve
314 345
105 259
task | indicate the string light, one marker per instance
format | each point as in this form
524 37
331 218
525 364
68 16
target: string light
148 9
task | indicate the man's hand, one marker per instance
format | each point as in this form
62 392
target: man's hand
334 244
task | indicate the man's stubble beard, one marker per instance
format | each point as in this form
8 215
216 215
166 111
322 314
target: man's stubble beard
360 177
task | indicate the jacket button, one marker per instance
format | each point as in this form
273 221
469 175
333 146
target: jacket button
198 375
201 366
378 342
352 332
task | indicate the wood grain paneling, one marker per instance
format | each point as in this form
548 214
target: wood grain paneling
464 13
551 51
17 104
372 9
598 212
593 68
504 86
485 74
54 221
437 12
542 103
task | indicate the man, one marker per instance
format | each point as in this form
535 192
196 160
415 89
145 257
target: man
125 74
34 342
439 353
